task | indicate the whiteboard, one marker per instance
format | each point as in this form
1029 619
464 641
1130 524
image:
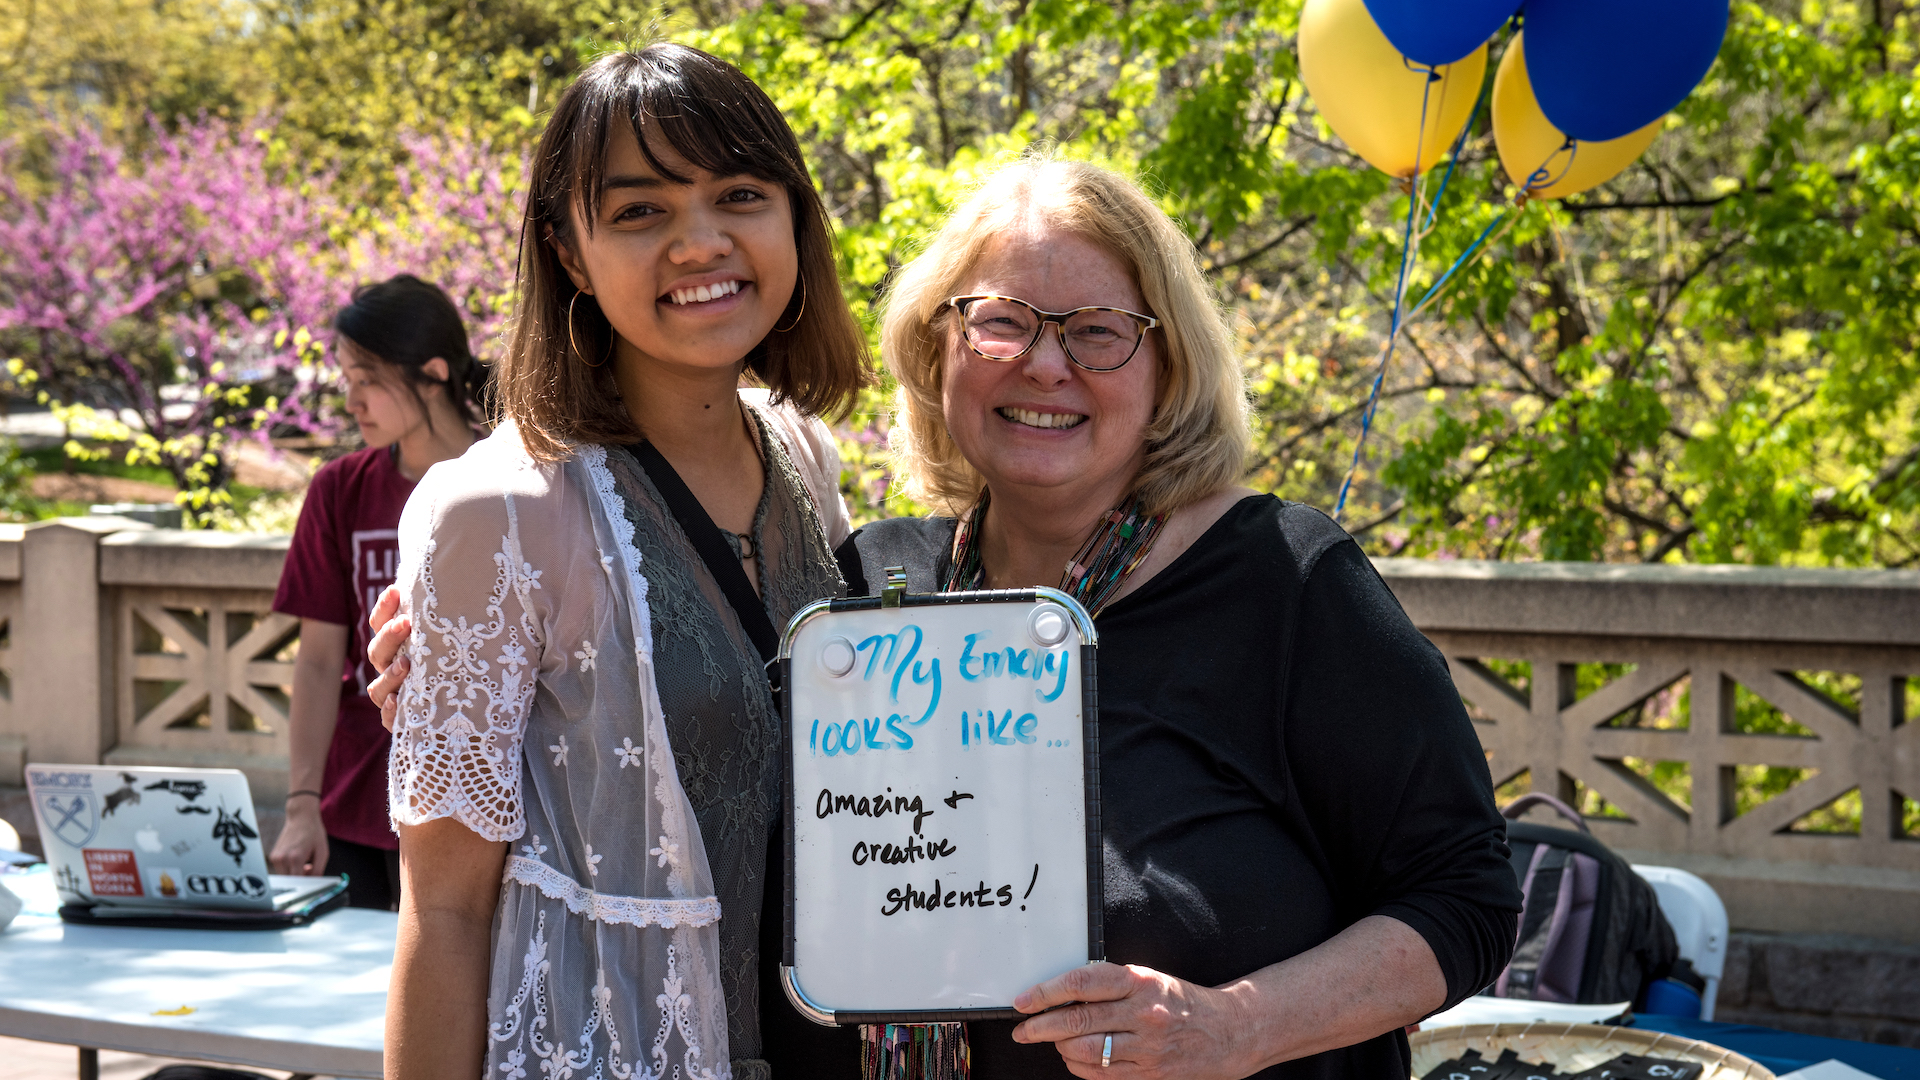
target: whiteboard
942 804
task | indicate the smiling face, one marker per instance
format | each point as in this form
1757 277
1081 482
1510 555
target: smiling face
1040 425
690 275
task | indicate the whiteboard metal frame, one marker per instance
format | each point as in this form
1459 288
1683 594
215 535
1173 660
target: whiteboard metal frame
1090 757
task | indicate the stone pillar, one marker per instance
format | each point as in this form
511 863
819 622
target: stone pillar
63 700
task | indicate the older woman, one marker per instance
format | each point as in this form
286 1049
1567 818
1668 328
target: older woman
1302 853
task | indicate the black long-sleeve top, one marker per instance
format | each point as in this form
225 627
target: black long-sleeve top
1281 755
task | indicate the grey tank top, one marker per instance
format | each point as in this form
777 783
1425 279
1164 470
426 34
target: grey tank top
720 715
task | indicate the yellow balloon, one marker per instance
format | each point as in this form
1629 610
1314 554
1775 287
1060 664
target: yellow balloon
1372 98
1530 144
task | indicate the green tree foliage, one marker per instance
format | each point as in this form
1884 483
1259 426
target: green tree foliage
1710 358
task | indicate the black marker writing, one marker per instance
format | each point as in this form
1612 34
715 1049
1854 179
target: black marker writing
936 899
829 804
894 855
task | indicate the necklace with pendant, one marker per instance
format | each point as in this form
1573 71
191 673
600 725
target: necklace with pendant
1095 573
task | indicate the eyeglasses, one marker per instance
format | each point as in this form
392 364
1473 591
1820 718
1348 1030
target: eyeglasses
1095 338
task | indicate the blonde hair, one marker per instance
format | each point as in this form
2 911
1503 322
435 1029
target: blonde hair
1198 439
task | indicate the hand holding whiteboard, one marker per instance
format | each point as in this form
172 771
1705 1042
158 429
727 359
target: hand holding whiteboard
942 803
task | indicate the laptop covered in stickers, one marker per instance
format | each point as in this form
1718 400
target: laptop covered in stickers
160 846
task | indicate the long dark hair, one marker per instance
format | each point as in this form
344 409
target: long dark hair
720 122
405 322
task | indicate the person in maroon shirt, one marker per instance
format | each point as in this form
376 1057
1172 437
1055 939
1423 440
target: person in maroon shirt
410 383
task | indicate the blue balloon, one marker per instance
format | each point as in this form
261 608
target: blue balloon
1603 68
1435 32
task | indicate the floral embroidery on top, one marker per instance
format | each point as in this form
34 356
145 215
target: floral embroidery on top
478 683
445 764
609 908
629 753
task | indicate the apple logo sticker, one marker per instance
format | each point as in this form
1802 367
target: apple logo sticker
148 839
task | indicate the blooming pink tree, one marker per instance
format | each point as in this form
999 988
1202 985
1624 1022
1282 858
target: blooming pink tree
175 299
164 298
458 226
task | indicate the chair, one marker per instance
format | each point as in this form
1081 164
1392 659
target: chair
1699 922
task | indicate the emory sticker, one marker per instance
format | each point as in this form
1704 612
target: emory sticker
112 873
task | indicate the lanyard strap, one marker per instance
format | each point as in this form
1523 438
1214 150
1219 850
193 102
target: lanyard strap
714 550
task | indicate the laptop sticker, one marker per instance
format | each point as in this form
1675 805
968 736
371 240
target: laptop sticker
73 818
187 790
112 873
124 795
233 833
71 807
167 881
248 885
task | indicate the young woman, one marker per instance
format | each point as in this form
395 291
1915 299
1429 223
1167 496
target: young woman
410 383
584 775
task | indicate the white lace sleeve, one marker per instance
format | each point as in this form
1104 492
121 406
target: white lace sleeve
816 456
474 651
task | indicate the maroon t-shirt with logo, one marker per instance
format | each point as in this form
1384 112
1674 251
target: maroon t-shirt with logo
344 553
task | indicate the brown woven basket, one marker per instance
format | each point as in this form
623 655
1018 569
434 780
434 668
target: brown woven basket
1573 1047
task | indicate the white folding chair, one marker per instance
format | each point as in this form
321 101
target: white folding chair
1699 922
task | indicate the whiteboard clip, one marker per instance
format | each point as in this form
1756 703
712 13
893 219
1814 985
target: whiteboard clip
895 588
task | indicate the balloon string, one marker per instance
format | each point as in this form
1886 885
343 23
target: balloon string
1459 143
1537 179
1487 238
1409 243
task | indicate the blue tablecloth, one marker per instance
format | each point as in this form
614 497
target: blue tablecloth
1784 1051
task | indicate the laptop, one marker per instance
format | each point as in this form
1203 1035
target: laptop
135 842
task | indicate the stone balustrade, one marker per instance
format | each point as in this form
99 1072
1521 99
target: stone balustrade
132 645
1575 675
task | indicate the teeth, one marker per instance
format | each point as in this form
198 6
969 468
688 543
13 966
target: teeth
700 294
1042 420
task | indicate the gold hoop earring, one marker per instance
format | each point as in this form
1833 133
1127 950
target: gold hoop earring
796 315
575 345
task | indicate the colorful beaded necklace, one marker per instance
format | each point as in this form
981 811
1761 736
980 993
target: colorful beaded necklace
1094 574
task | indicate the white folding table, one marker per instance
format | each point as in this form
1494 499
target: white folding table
309 1000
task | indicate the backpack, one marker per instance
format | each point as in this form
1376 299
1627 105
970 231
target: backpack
1591 930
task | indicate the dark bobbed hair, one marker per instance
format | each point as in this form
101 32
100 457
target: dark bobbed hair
405 322
720 122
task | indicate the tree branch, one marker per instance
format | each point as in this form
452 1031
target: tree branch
859 23
1385 516
1285 235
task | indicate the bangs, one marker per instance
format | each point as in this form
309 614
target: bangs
715 119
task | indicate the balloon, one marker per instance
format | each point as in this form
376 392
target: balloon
1372 98
1604 68
1529 143
1435 32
